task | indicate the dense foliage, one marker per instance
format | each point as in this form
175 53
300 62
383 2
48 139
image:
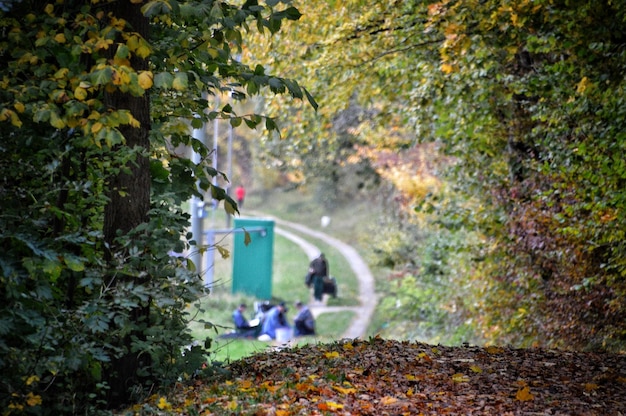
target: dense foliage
97 106
527 99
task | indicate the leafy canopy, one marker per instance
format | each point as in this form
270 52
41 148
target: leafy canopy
95 96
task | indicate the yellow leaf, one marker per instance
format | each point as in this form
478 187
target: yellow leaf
281 412
146 79
60 38
103 43
32 399
424 357
49 9
514 19
180 82
446 68
333 406
582 86
224 252
460 378
96 127
524 394
589 387
80 93
245 384
232 405
19 107
492 349
143 51
61 73
31 380
387 400
476 369
121 62
163 404
344 390
333 354
56 121
348 346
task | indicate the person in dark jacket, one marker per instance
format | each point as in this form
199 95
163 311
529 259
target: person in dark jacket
304 321
318 270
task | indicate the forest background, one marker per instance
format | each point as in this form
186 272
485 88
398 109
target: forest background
490 132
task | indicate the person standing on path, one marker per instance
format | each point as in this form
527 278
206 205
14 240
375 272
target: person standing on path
319 271
240 194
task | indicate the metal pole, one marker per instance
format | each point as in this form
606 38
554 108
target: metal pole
197 208
210 253
230 166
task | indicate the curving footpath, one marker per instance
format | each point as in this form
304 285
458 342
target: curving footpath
367 295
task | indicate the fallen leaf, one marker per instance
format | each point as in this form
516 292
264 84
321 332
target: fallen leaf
492 349
460 378
388 400
591 387
476 369
524 394
344 390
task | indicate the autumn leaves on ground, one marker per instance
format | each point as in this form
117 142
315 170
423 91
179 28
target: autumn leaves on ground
384 377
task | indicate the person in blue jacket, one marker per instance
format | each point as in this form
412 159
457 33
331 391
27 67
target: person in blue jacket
243 326
274 319
304 322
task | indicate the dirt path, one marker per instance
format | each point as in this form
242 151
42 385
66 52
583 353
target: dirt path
367 295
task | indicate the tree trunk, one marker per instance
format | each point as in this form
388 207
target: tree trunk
129 203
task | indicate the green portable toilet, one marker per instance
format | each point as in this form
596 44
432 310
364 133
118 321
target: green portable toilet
252 263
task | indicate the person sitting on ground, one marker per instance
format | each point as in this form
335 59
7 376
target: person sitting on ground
274 319
304 321
243 327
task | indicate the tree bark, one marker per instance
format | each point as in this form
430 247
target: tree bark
129 204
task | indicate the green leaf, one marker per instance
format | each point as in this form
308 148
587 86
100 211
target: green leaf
122 51
270 124
163 80
53 269
156 8
230 206
158 171
197 123
310 99
73 263
102 76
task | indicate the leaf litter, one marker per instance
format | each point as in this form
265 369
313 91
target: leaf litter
388 377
